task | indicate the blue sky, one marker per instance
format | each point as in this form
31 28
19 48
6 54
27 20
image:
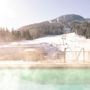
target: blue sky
16 13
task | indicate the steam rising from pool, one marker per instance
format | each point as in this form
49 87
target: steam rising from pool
9 79
45 79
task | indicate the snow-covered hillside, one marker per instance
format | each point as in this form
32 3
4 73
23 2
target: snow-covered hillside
70 41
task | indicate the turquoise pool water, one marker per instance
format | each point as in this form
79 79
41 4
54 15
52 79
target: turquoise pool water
45 79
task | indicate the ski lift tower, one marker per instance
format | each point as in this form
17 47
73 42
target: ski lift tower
64 36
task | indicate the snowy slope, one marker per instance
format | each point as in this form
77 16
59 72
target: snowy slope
70 41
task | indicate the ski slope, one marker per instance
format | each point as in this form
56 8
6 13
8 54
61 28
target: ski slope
70 41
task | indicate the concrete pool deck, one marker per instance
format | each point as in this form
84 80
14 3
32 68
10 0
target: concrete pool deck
29 64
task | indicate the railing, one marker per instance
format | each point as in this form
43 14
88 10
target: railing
77 56
66 56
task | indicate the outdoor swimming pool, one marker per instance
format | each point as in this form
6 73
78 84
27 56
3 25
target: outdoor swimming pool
45 79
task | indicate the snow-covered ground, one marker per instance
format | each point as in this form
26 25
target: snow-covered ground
71 41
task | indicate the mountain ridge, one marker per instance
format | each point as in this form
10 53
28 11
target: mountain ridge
58 26
61 19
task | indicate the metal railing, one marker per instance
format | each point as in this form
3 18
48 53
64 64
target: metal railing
77 56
